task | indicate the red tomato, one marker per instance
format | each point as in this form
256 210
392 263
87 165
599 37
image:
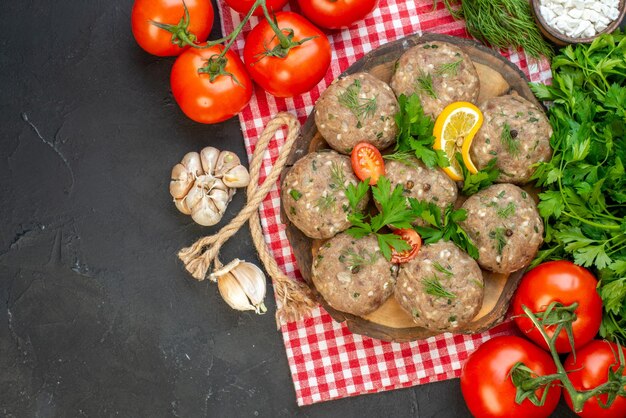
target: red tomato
564 282
335 14
301 68
158 41
243 6
207 101
591 369
487 387
414 240
367 163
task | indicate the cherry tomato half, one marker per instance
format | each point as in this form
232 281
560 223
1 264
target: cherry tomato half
591 369
300 69
414 240
207 101
158 41
367 162
486 384
335 14
243 6
564 282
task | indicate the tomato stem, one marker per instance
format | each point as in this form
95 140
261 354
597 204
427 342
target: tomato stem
613 387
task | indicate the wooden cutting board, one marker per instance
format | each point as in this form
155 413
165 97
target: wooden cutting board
498 76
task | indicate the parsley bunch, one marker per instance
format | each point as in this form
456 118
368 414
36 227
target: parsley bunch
393 212
415 135
446 227
584 200
473 183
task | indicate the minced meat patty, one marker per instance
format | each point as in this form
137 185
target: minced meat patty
421 182
313 193
515 132
441 73
504 224
357 108
442 288
352 275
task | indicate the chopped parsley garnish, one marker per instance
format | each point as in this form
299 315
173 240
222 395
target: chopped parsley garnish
296 195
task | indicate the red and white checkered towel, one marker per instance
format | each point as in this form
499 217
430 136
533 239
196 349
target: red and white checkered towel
327 361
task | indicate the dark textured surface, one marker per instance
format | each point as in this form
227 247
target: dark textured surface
97 317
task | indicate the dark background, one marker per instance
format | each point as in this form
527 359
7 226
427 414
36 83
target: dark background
97 316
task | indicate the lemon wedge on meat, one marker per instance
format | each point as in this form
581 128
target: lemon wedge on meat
454 132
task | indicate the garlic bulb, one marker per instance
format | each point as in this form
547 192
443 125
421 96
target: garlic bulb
203 184
242 286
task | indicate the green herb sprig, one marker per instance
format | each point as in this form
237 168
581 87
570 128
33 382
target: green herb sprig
502 24
449 68
509 140
433 286
584 199
424 84
446 227
415 135
393 212
473 183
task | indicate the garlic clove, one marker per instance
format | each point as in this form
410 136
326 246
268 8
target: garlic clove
209 157
233 293
220 199
191 161
226 161
181 205
181 181
205 213
195 194
237 177
252 281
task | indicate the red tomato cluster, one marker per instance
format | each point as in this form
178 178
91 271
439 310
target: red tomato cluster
210 84
486 380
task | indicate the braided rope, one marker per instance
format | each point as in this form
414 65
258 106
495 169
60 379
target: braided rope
295 298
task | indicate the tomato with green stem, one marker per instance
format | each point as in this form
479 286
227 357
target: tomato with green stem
590 369
244 6
336 14
565 283
487 380
209 85
288 56
167 28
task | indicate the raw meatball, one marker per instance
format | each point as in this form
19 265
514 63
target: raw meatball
504 224
421 182
357 108
439 72
442 288
313 193
352 275
515 132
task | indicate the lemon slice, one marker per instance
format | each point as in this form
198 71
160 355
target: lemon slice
454 132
